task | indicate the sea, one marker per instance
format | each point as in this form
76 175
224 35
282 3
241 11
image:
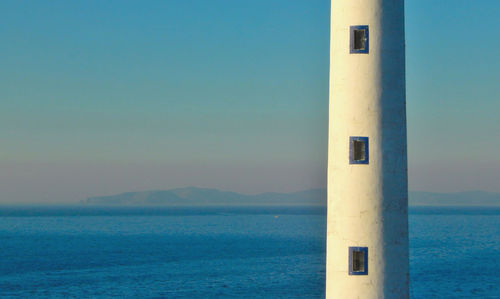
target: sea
225 252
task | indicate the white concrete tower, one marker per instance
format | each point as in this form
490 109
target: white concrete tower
367 230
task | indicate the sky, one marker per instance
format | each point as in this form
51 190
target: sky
104 97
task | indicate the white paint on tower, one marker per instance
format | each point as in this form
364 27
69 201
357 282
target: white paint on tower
367 230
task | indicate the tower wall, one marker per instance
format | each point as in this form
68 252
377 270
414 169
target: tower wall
367 199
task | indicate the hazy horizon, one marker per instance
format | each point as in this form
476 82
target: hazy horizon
102 98
199 197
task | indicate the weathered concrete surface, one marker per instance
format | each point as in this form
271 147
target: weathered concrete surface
368 204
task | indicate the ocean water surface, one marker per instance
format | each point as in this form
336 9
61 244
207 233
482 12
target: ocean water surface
265 252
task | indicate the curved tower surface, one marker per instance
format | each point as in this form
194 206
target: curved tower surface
367 227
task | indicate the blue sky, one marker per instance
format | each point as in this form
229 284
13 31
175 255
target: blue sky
102 97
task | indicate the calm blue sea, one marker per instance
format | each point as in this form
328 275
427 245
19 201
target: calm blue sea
225 252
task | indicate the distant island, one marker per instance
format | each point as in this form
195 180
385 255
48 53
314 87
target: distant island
193 196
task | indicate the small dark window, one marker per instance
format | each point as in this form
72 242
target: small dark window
359 39
358 150
358 260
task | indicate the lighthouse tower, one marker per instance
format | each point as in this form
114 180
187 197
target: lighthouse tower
367 228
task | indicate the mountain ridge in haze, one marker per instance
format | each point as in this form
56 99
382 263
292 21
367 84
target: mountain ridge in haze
194 196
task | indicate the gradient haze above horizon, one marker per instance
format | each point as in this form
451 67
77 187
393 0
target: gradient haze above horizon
99 98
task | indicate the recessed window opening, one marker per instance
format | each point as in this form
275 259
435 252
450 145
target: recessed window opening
358 260
359 36
358 150
359 39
